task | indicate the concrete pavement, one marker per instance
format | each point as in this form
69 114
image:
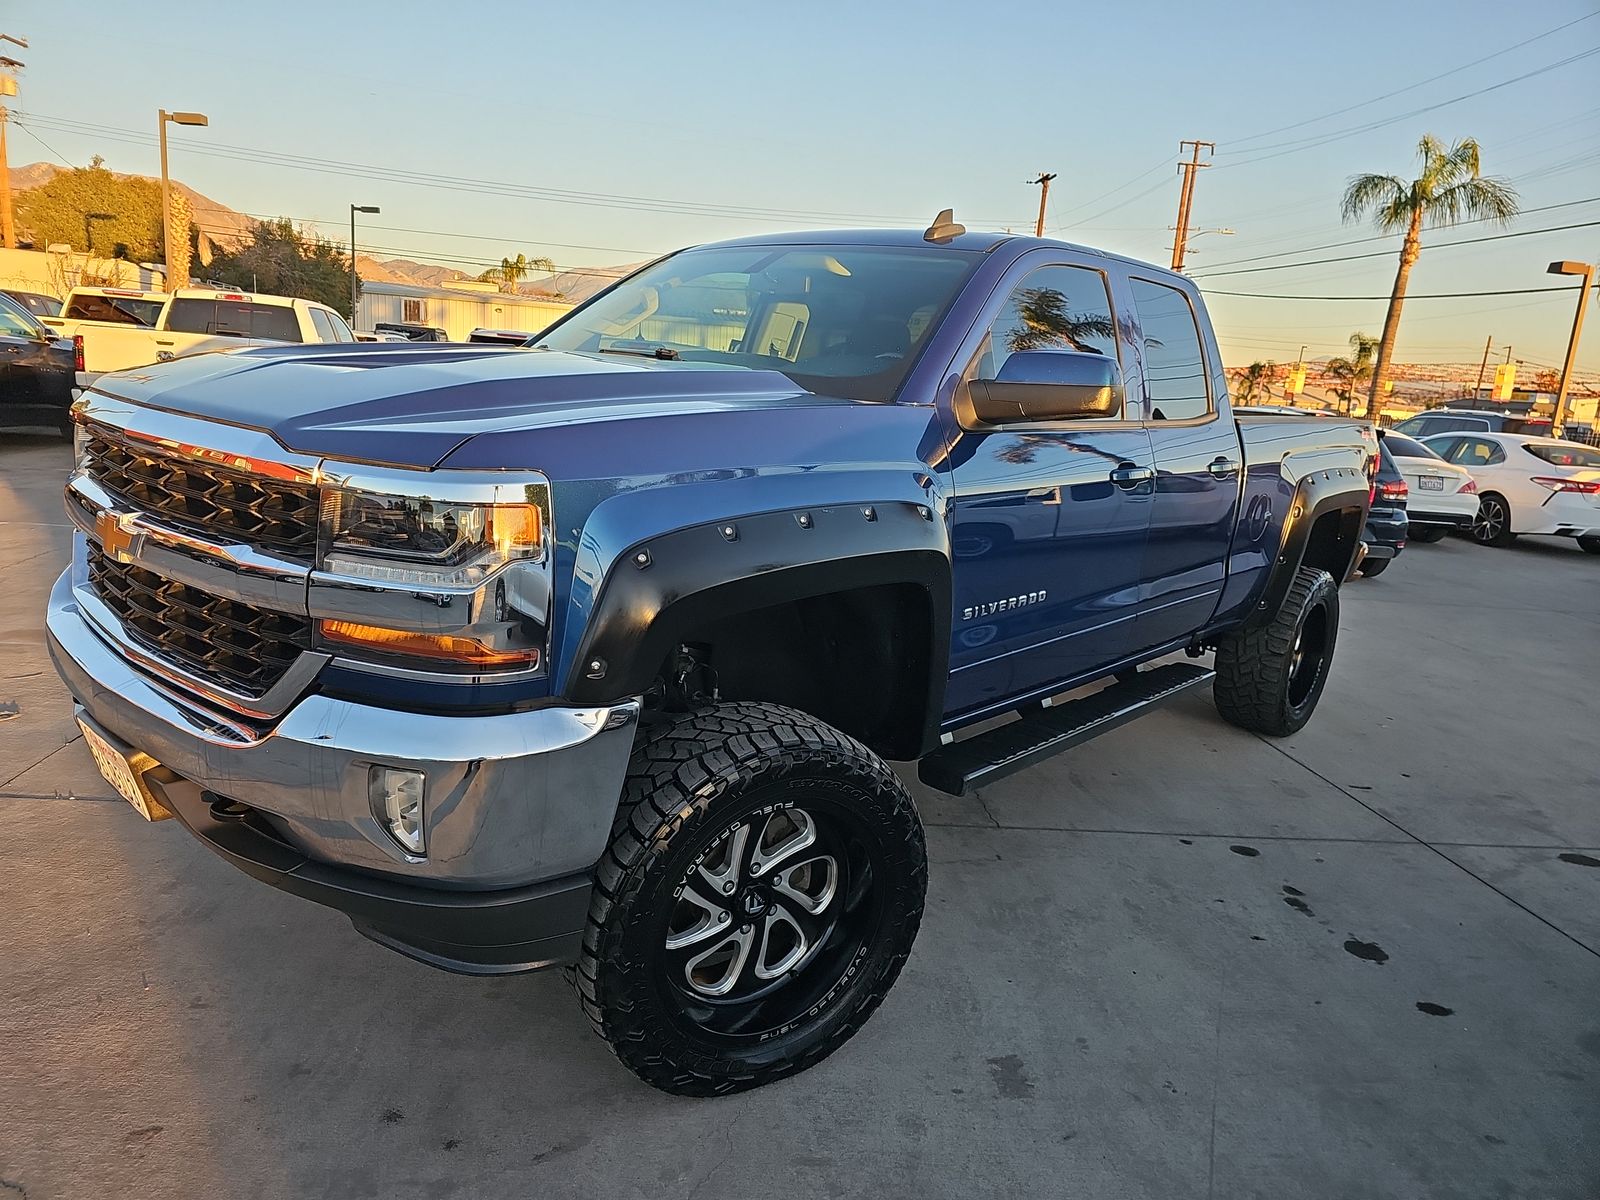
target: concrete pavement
1180 962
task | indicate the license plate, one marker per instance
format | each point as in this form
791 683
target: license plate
1430 483
122 772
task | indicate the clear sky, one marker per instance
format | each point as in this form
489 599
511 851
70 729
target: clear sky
599 134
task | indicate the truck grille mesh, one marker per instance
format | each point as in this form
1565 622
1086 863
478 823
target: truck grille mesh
237 646
210 499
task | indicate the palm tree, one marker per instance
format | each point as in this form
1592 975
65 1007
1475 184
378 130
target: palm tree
1256 380
1450 189
1354 371
511 271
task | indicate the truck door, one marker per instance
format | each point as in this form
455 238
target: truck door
1198 463
1049 516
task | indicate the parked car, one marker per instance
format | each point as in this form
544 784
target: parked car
196 320
1443 496
109 306
1533 485
35 372
1471 420
594 654
37 303
500 337
412 333
1387 523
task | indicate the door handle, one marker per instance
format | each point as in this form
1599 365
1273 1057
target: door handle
1129 476
1222 467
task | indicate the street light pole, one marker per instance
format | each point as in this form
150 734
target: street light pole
354 286
177 118
1586 270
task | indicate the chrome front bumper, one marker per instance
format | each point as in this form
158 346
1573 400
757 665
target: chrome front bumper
510 799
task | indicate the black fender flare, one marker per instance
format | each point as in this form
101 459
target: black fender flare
1341 490
664 586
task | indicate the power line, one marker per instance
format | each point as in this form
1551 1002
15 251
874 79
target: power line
1314 262
1409 295
1387 236
1411 87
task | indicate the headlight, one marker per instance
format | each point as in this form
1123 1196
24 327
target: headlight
417 540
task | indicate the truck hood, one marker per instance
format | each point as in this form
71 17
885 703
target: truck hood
412 405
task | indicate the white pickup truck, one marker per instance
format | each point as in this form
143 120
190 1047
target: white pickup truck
189 321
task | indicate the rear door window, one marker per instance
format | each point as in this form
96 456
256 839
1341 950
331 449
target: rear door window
234 318
1477 452
1174 365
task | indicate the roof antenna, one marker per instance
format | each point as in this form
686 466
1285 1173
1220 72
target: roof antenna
944 228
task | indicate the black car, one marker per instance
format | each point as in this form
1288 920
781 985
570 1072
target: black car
36 372
412 333
1387 524
1472 420
37 303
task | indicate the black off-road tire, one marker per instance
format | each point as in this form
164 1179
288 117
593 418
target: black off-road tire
694 779
1590 545
1373 567
1427 534
1270 676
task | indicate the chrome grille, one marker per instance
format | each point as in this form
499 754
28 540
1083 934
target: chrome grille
240 647
274 515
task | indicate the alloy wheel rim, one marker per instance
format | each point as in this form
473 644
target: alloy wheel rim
1489 522
766 921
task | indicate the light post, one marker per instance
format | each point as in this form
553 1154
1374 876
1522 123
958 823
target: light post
177 118
354 287
1586 270
88 228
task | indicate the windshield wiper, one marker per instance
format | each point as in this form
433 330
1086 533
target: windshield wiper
666 353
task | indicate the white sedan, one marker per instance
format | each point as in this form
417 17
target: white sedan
1528 484
1443 496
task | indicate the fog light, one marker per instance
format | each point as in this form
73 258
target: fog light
397 801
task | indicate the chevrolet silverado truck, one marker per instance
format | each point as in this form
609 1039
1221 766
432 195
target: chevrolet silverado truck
189 321
595 653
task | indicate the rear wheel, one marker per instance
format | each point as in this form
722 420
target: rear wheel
1270 677
1590 544
761 892
1428 534
1373 567
1492 525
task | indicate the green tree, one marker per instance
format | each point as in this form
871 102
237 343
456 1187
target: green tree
55 211
284 261
1255 382
1353 372
512 271
1450 188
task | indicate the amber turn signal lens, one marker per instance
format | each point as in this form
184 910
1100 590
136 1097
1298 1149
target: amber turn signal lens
444 646
514 525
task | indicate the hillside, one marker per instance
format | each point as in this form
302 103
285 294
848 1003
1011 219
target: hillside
224 228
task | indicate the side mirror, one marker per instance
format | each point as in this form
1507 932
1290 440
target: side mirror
1048 385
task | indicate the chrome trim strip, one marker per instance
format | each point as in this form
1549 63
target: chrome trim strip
202 439
453 487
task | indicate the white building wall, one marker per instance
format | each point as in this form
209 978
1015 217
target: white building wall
458 313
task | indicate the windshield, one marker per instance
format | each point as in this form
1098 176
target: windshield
841 320
1564 454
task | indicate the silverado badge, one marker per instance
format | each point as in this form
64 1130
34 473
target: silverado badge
1025 600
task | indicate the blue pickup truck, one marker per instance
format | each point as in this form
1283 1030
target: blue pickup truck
594 653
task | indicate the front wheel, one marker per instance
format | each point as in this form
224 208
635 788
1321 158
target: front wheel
762 889
1492 525
1270 677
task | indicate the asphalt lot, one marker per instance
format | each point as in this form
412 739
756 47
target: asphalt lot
1180 962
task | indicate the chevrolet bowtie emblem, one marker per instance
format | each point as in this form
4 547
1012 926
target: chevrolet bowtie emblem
116 539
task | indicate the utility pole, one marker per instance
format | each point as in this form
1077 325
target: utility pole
1508 353
1044 193
1483 367
8 87
1180 238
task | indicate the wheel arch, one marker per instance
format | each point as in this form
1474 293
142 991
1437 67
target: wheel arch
1323 530
870 583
